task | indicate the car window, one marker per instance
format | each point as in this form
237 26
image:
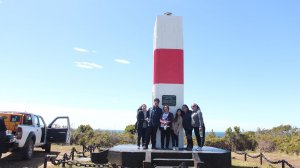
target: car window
27 120
15 118
41 122
35 120
60 123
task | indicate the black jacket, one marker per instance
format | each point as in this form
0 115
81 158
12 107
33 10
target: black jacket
154 115
2 125
140 119
187 120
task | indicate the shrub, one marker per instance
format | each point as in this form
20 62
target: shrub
266 146
218 143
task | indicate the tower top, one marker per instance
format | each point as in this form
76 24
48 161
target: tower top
168 13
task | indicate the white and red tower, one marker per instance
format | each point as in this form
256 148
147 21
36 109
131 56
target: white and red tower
168 64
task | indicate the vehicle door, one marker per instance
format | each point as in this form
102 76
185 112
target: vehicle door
58 130
38 130
42 125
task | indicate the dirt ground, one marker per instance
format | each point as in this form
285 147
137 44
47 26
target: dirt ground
12 160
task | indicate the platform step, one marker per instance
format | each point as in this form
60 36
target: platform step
171 155
172 161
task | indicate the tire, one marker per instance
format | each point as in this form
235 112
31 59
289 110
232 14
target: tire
48 147
0 154
27 150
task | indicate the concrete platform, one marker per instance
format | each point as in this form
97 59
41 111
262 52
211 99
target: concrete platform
130 156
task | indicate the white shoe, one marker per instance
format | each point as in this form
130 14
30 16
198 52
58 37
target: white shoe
199 149
174 148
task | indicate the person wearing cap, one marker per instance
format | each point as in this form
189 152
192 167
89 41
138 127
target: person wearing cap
153 117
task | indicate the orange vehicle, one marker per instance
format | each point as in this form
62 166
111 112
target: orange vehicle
26 131
13 119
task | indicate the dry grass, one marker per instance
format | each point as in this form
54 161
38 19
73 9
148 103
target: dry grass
238 160
10 160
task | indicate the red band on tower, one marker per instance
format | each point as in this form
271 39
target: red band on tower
168 66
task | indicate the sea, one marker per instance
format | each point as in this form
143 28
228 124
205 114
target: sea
218 134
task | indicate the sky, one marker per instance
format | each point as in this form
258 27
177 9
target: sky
93 60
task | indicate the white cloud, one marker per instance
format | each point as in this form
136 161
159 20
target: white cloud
97 118
81 50
88 65
122 61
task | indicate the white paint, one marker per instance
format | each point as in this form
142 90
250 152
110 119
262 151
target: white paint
168 32
170 89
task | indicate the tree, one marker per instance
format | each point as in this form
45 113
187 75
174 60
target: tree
211 135
130 129
83 135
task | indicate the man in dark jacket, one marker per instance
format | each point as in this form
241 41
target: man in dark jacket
153 116
2 134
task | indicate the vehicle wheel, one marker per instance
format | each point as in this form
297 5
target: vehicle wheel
0 155
48 147
27 151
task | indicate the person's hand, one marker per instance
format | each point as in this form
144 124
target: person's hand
200 128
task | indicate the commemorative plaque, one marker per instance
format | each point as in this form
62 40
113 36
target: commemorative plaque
169 100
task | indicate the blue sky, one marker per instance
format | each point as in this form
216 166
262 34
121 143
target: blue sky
93 60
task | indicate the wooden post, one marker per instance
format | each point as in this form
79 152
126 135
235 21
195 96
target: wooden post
147 163
261 158
197 161
83 148
245 156
45 162
283 163
73 153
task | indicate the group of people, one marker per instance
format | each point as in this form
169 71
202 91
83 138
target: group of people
149 121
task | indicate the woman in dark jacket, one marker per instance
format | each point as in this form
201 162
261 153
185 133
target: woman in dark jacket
166 120
187 125
142 125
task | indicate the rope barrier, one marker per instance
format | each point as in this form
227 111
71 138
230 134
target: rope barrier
69 159
262 156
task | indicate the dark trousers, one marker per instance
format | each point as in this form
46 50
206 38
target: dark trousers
141 135
165 134
174 139
197 134
188 134
151 134
203 136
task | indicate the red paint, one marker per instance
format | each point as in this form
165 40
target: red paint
168 66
